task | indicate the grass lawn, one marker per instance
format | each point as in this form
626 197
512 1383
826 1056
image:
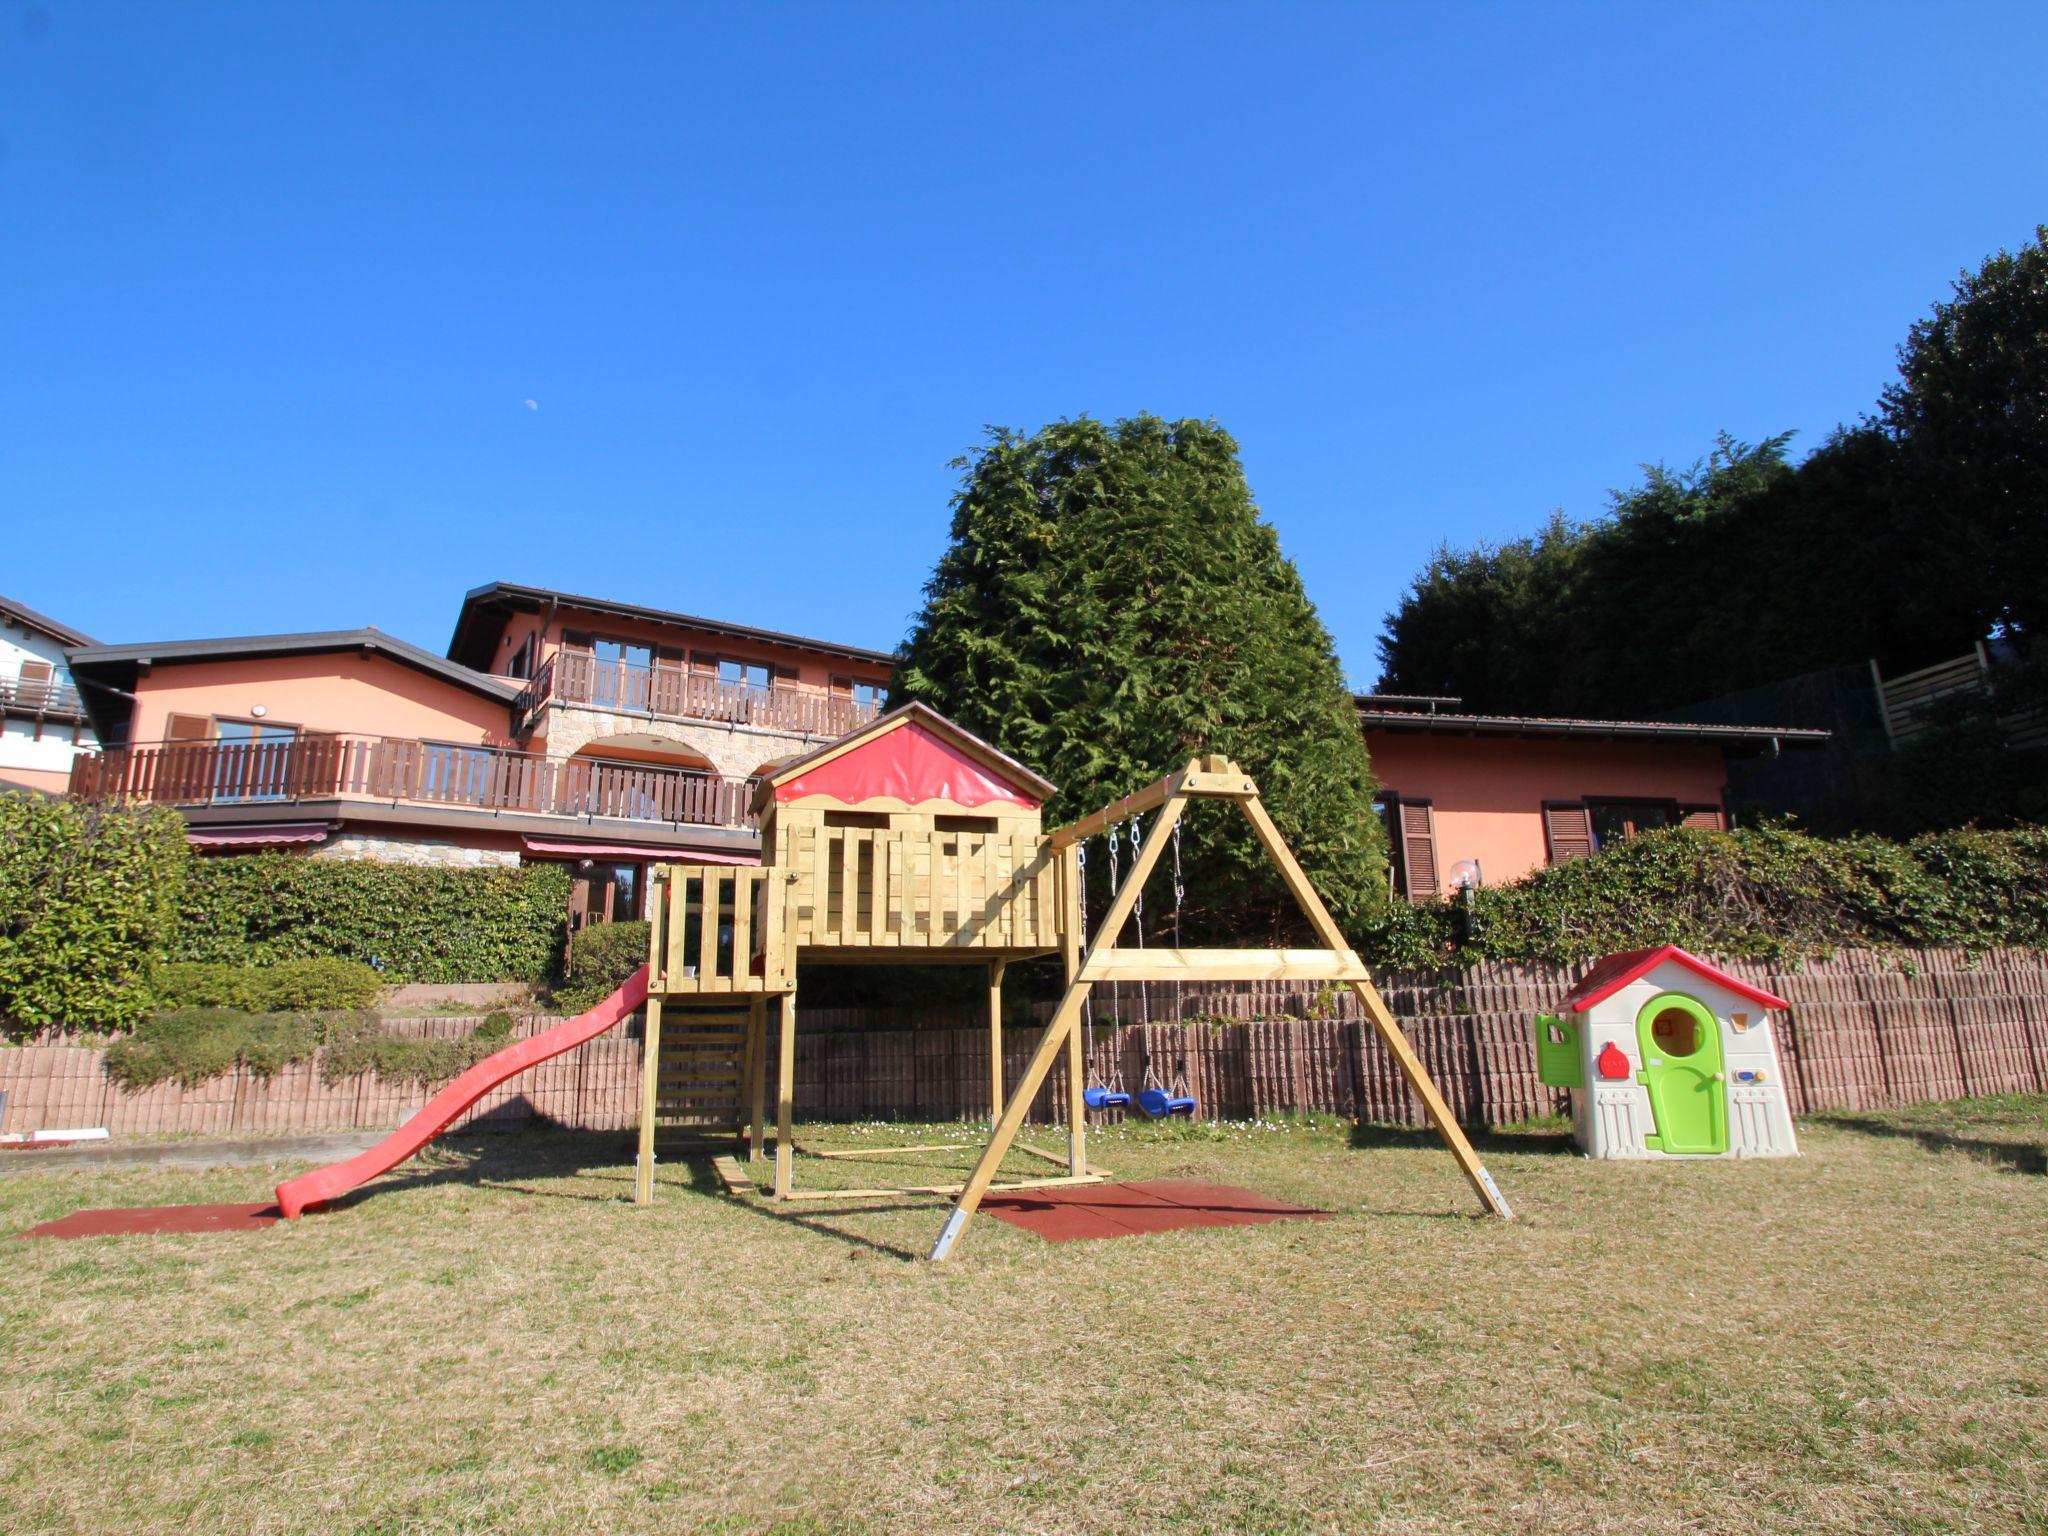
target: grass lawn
495 1340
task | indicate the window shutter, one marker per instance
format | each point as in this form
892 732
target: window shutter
786 674
843 686
1569 831
34 671
1418 849
187 727
1705 817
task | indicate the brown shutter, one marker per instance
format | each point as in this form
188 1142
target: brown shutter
1418 849
843 687
187 727
1705 817
784 674
1569 831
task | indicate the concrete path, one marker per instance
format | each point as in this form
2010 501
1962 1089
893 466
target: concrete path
225 1152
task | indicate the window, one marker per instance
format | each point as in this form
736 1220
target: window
1616 821
1410 826
863 695
252 760
752 675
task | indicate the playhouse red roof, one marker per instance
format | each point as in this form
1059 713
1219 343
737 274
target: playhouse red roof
912 754
1617 971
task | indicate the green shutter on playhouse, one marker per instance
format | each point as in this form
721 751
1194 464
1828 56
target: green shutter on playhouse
1559 1063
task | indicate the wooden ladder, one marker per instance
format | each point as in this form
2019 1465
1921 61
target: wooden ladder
700 1088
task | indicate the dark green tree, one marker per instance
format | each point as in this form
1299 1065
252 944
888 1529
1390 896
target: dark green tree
1970 410
1111 605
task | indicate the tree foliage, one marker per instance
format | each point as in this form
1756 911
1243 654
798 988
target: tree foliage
1905 538
1111 605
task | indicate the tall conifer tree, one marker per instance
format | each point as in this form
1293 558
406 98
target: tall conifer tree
1112 605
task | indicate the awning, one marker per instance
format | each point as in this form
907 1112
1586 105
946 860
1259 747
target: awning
558 848
276 835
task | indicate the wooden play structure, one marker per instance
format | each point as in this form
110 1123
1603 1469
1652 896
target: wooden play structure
910 841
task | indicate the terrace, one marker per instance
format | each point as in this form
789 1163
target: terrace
626 687
392 770
40 698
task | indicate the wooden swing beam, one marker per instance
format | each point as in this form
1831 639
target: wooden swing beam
1204 778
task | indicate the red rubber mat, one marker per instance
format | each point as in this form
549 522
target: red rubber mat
1126 1210
159 1218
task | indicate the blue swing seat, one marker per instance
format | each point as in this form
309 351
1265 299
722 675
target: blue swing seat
1105 1098
1158 1103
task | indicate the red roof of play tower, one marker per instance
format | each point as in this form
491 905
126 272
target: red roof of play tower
912 754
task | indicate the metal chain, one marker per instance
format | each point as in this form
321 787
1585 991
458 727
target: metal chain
1138 917
1179 896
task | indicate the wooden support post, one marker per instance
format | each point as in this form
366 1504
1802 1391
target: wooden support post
785 1095
1077 1047
757 1076
995 1039
1064 1024
1382 1018
650 1081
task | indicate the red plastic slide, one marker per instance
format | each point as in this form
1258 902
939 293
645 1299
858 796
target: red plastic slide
439 1112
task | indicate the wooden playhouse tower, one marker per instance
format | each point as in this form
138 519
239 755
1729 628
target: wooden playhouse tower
911 841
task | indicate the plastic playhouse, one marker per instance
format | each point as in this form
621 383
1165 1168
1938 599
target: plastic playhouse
1668 1056
913 842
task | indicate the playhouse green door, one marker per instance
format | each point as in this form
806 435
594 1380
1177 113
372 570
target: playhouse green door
1681 1046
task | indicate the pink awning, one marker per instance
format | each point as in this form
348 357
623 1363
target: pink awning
274 836
557 848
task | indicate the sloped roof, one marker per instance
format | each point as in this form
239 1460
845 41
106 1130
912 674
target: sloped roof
1433 721
1609 976
924 716
509 596
28 618
370 641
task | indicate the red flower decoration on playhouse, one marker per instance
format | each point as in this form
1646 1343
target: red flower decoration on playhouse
1612 1062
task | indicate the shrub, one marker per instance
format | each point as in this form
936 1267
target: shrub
292 986
410 923
191 1045
88 898
601 957
1766 893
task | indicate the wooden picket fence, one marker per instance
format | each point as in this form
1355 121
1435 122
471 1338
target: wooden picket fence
1864 1033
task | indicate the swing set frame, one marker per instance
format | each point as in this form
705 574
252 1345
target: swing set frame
1335 963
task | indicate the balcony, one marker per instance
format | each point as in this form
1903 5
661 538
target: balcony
41 698
576 678
392 770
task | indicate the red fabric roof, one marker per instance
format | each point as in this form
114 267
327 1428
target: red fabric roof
275 835
1609 976
910 763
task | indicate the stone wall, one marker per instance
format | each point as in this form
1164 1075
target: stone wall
430 852
734 751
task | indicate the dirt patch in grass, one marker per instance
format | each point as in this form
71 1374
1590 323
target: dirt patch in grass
495 1339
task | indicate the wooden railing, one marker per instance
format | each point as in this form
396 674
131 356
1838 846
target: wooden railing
738 949
35 696
417 772
867 888
576 677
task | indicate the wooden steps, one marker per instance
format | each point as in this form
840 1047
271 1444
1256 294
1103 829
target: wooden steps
701 1080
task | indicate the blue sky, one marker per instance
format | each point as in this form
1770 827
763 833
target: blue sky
317 315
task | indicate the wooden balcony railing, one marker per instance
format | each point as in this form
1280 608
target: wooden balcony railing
416 772
576 677
33 696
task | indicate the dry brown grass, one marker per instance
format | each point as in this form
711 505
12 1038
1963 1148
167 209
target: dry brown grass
496 1341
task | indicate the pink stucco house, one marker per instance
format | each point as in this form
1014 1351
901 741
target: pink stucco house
604 734
1483 799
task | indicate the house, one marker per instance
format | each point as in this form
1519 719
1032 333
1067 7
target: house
1470 799
43 723
1667 1055
557 727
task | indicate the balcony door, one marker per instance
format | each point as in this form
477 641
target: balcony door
623 673
253 760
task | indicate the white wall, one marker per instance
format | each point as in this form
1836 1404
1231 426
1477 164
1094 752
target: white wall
24 757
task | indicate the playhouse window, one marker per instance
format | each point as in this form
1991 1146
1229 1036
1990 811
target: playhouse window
1676 1032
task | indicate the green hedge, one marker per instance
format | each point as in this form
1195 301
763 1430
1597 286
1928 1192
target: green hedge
293 986
413 924
601 957
1762 894
88 900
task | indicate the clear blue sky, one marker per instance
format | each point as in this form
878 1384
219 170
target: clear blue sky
277 282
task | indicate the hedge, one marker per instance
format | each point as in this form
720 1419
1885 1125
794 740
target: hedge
194 1045
601 957
1767 893
88 899
413 924
320 985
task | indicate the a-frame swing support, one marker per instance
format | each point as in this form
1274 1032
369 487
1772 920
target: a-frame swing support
1209 778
